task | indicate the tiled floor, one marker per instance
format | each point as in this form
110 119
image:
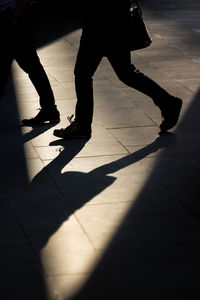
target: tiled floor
115 217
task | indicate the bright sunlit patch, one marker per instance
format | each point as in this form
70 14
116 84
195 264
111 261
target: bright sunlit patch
74 250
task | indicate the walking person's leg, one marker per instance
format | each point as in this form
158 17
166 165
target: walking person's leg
27 58
169 105
88 59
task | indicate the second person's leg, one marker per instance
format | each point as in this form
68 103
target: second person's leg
88 59
169 105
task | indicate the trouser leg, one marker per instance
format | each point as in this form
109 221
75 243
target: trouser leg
86 64
27 58
128 74
41 83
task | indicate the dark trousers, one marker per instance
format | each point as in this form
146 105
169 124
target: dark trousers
88 59
17 43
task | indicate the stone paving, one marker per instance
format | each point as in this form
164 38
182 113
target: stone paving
115 217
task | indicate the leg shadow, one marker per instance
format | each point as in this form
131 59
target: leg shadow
155 252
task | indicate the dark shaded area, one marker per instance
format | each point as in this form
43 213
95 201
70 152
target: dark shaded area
21 269
21 272
54 20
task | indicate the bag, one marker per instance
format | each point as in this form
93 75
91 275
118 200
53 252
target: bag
138 34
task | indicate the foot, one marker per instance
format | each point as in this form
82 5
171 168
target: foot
170 112
73 131
49 116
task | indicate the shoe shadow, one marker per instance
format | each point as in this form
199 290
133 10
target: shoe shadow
36 131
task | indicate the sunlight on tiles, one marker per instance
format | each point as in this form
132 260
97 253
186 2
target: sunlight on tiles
95 208
74 250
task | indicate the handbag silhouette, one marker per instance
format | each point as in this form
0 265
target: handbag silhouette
138 34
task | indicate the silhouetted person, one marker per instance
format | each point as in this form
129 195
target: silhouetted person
104 34
17 43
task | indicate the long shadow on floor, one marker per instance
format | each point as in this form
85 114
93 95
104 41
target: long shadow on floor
155 252
40 212
49 214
